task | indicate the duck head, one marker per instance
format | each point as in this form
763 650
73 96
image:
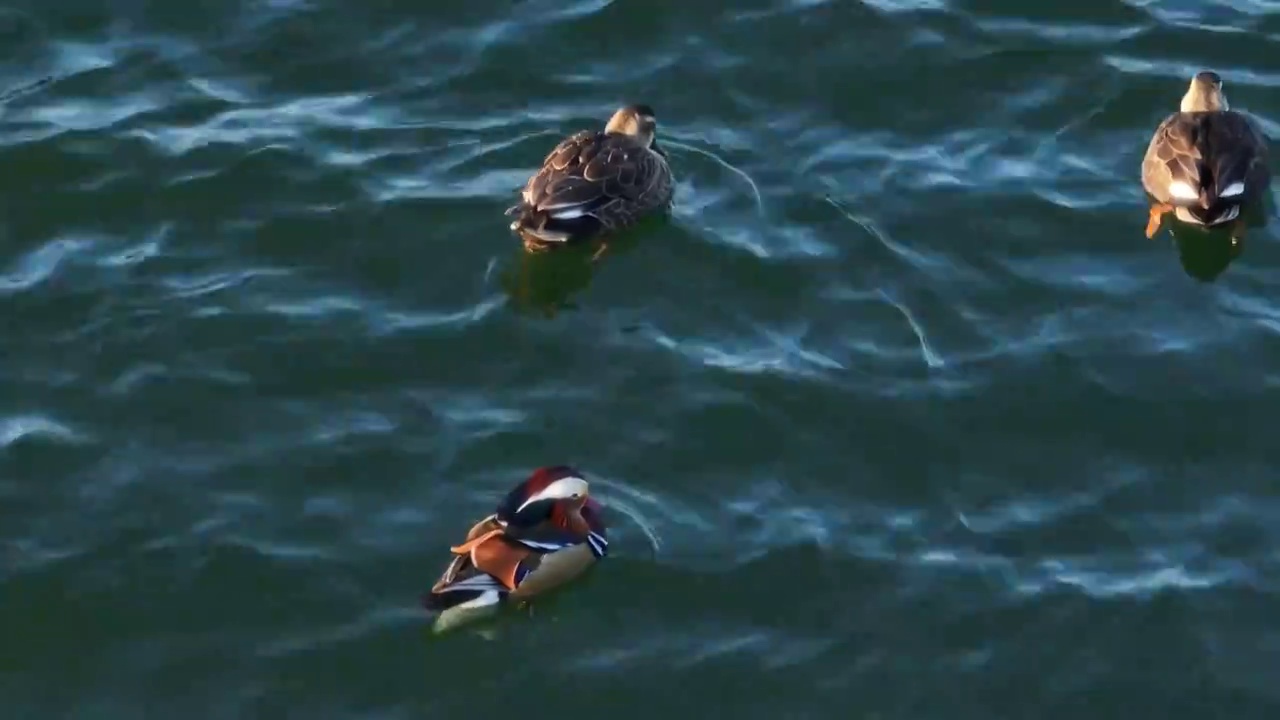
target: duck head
1205 94
550 493
639 122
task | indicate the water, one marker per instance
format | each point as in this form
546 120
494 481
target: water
899 416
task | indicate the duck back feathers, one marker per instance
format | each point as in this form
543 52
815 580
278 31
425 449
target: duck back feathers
499 562
1209 163
591 183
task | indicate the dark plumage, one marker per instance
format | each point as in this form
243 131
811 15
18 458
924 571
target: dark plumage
1206 162
596 182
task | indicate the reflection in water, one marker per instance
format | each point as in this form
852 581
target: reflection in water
1205 252
541 279
542 282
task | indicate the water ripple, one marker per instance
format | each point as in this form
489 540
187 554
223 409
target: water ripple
899 392
17 428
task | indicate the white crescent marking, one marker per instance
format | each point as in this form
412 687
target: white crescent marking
564 488
1183 191
568 213
1232 190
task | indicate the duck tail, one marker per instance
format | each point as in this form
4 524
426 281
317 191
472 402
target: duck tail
543 228
536 225
477 607
463 594
461 591
1212 210
1202 214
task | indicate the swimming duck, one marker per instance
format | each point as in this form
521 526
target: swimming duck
1206 161
596 182
544 533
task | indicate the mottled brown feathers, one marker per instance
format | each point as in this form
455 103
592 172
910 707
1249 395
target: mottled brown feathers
596 182
612 176
1213 150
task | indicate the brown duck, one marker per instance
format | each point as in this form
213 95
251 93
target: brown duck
596 182
1206 162
546 532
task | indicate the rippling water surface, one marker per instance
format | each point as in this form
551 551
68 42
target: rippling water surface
898 416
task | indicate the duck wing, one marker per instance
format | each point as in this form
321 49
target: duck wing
558 181
589 173
489 560
1200 157
1233 150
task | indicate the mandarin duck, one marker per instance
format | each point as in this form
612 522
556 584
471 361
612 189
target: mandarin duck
545 532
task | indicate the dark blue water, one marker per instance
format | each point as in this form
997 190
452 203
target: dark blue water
899 415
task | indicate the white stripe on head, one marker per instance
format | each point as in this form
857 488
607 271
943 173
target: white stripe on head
569 487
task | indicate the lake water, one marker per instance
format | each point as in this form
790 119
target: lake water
900 415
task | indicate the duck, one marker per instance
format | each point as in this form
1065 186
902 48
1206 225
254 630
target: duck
544 533
1205 163
596 182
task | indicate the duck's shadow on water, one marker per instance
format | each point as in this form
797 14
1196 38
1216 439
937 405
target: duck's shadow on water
543 282
1205 253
